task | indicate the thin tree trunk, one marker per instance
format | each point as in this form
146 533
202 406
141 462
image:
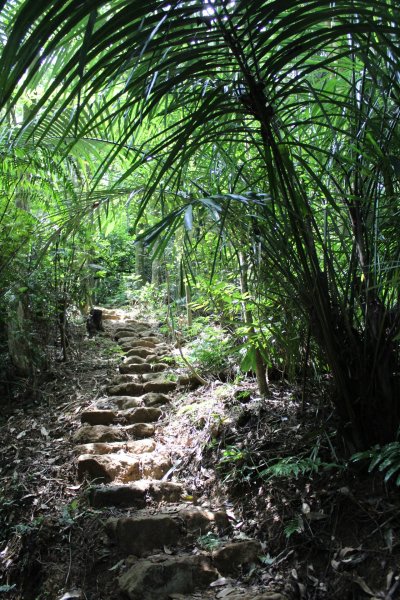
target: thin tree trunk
139 262
188 305
260 367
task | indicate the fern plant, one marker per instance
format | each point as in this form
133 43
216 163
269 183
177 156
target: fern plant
294 466
384 458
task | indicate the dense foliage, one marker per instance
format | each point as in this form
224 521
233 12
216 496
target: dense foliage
243 155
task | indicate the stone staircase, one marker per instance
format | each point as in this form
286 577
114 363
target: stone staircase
119 450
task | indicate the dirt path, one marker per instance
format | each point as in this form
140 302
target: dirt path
120 450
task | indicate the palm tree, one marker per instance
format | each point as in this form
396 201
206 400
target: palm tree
307 92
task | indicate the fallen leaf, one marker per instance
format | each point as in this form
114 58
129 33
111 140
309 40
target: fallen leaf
117 565
72 595
226 592
44 431
222 581
363 585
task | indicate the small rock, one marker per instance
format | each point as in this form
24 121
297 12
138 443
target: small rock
189 381
154 399
140 430
154 465
231 556
199 520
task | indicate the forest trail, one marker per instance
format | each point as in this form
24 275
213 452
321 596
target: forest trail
122 478
120 448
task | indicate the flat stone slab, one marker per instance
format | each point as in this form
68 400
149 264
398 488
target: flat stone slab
155 399
98 417
134 342
228 558
106 433
124 467
128 389
142 414
134 447
140 430
107 467
138 323
122 332
199 520
122 402
136 369
159 577
140 534
150 399
99 433
159 386
135 495
135 360
142 352
151 338
143 532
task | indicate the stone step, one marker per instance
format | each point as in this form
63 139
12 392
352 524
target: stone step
109 314
134 447
141 414
144 532
127 389
123 467
106 433
160 386
142 352
131 332
151 338
134 342
150 399
135 360
135 495
138 389
137 323
121 402
233 555
170 376
136 369
159 577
